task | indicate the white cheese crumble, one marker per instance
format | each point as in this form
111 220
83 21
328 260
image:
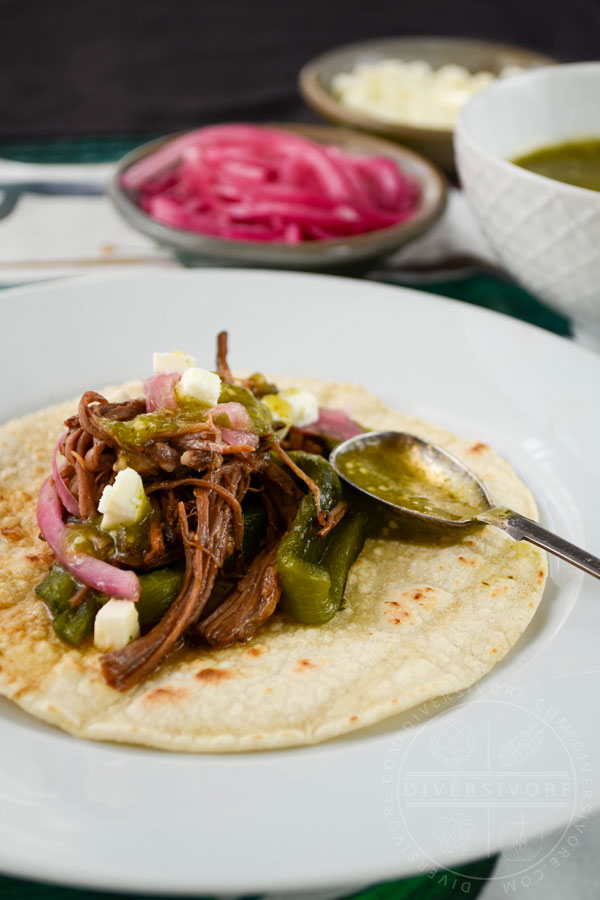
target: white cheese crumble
411 92
170 363
116 624
199 384
304 406
131 391
124 502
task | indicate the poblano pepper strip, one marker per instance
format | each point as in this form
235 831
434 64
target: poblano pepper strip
346 541
73 626
255 525
313 569
158 590
56 589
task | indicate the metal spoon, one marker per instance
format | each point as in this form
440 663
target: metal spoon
433 465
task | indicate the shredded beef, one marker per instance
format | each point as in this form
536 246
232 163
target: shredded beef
201 459
222 365
205 550
311 485
93 457
202 441
251 603
334 518
195 483
88 418
299 440
122 412
280 494
163 455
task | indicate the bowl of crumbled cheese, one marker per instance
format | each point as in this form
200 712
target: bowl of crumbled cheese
409 89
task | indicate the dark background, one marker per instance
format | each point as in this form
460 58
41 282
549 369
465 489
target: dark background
121 67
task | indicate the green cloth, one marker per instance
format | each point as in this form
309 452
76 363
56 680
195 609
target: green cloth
466 881
502 296
72 150
481 289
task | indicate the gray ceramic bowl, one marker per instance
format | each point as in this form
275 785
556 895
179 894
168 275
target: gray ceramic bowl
351 254
436 143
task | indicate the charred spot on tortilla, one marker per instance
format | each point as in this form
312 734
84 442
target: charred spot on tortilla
13 533
214 676
467 562
478 447
164 695
303 664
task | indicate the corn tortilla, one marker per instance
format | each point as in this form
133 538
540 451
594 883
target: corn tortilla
422 619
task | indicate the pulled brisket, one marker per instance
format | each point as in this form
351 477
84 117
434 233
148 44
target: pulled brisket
205 551
195 483
122 412
222 365
251 603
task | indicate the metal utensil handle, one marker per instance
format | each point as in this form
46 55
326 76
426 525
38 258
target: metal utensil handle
520 528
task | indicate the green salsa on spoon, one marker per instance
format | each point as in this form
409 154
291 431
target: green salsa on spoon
418 479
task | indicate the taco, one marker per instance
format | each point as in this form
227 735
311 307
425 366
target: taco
197 585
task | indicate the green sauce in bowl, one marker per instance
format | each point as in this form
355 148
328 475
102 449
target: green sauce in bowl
574 162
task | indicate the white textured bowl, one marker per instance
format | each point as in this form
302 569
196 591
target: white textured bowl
546 233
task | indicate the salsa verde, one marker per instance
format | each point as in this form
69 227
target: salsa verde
574 162
390 476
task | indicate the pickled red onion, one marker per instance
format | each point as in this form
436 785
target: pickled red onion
68 500
235 438
248 183
159 391
237 414
333 423
91 571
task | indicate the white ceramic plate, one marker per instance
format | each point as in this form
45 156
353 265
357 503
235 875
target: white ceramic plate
443 784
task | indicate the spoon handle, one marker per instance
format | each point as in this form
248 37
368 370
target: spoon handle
520 528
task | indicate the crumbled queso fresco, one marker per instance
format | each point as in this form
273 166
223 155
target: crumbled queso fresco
411 93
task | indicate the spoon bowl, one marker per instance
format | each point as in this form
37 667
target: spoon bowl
419 479
428 477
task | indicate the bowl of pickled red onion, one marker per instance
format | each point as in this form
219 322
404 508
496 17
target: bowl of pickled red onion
286 196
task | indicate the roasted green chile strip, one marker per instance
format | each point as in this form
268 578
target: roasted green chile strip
313 569
145 427
158 590
56 589
345 543
73 626
255 525
134 433
313 591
